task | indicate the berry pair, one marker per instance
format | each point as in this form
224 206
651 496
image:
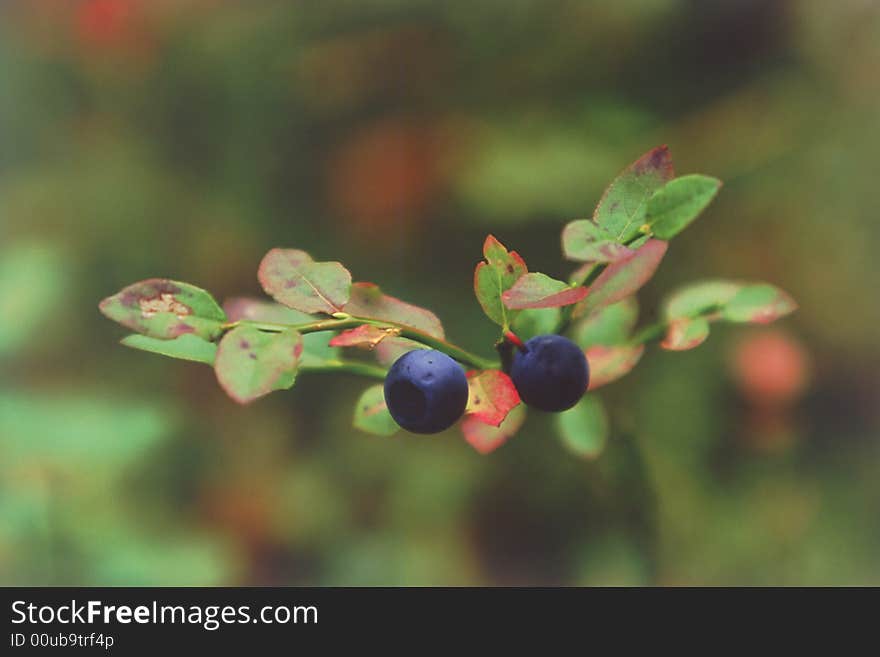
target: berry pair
426 391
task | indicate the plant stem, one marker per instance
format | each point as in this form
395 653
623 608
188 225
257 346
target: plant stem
463 356
348 366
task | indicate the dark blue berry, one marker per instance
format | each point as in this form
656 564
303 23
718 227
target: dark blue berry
426 391
550 373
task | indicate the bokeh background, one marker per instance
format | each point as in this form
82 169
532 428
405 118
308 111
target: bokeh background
185 138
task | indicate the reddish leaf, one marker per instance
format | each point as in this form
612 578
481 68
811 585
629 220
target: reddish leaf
251 363
484 437
584 241
368 301
260 310
366 335
540 291
390 349
623 278
165 309
608 364
292 278
491 396
494 277
758 304
621 210
685 333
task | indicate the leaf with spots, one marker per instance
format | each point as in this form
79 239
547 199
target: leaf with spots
623 278
540 291
165 309
316 347
491 396
621 210
251 363
609 363
365 336
369 302
674 206
607 326
584 428
493 277
760 303
584 241
371 413
186 347
292 278
685 333
484 437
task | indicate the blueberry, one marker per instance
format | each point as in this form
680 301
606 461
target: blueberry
426 391
550 373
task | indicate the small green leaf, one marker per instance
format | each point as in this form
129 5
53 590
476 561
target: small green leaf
584 241
495 276
540 291
623 278
251 363
369 302
584 428
292 278
607 326
761 303
484 437
535 321
685 333
621 211
609 363
186 347
165 309
491 396
371 414
699 298
674 206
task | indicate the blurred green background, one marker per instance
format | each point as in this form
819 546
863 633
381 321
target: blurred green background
185 138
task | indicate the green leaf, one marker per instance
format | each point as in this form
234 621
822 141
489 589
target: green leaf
368 301
484 437
535 321
584 241
623 278
371 414
540 291
251 363
584 428
292 278
186 347
607 326
761 303
621 210
699 298
495 276
609 363
491 396
165 309
673 207
686 333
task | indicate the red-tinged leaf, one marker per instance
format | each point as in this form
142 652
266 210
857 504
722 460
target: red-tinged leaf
623 278
165 309
685 333
758 304
491 396
366 336
608 364
484 437
621 211
368 301
540 291
495 276
260 310
292 278
584 241
251 363
390 349
700 298
371 413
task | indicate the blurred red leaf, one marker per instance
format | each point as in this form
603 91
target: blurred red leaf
484 437
366 335
491 396
540 291
368 301
685 333
608 364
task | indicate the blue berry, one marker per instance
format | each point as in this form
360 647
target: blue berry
550 373
426 391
